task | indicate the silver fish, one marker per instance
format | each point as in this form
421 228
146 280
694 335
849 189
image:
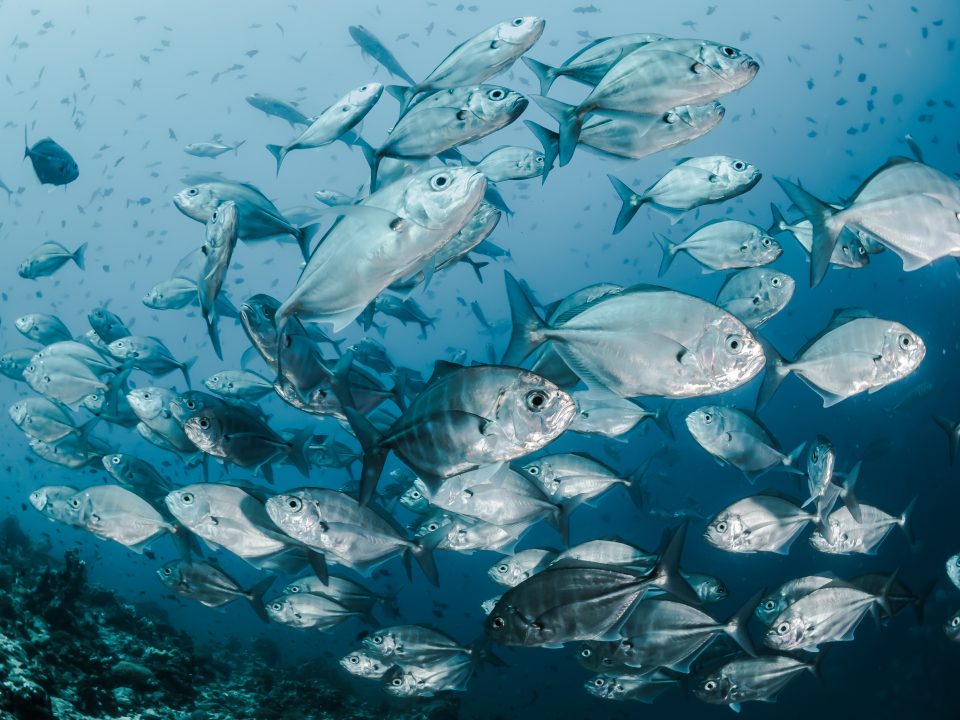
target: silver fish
308 611
107 325
51 500
278 108
211 149
952 627
601 412
565 476
371 46
749 679
366 665
217 251
150 355
755 295
114 513
642 688
14 362
137 475
722 245
511 570
787 594
761 523
209 585
849 251
953 569
238 385
42 328
844 535
49 257
42 419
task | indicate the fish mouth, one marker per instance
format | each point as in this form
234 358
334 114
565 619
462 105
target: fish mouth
752 66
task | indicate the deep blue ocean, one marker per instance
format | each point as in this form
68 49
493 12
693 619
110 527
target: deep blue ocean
125 85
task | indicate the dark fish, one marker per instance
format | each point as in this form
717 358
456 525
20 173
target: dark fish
371 45
51 162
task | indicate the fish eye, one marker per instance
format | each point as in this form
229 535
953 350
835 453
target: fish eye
734 344
192 191
191 404
782 628
533 470
215 216
739 165
396 682
776 282
433 526
955 622
74 502
496 94
354 659
120 343
862 250
728 51
502 568
710 685
497 623
539 160
167 571
586 652
598 682
721 526
769 605
707 418
670 118
293 589
721 590
905 341
203 423
186 498
517 22
535 400
294 504
377 640
215 379
115 459
766 242
439 182
815 455
363 88
415 494
276 606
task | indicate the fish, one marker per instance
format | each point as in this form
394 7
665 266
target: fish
309 611
259 218
953 569
211 149
150 355
467 535
65 379
477 59
857 352
217 250
770 606
737 438
392 234
444 120
137 475
42 419
589 64
238 385
51 500
450 674
209 585
333 198
821 462
71 451
466 418
749 679
406 311
654 78
348 593
51 162
564 477
576 600
14 362
511 570
157 424
761 523
371 46
365 665
643 688
42 328
107 325
755 295
333 122
908 206
114 513
849 251
722 245
952 627
49 257
693 183
644 340
278 108
842 534
510 162
600 412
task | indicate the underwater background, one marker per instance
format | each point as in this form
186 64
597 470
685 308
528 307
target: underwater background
125 85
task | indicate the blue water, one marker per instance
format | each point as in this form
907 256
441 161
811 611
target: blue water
840 85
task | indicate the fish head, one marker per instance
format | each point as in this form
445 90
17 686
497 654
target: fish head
205 430
710 589
522 31
414 498
190 403
402 683
706 424
726 355
853 248
283 610
443 197
729 66
607 687
495 104
190 505
51 500
223 225
258 314
155 298
171 574
25 323
789 631
506 624
769 608
197 202
363 97
217 384
760 249
597 655
713 688
821 460
148 402
361 664
903 351
724 531
698 117
531 411
18 413
737 174
508 571
775 287
117 465
953 569
125 348
27 268
94 402
383 643
952 627
294 513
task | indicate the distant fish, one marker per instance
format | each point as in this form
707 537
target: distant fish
51 162
48 258
371 45
210 149
278 108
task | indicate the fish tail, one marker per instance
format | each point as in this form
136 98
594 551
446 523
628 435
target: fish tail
527 333
185 369
952 429
570 118
298 450
480 652
737 626
476 265
777 223
551 146
374 454
883 599
372 156
545 73
666 573
848 492
403 94
904 521
237 147
79 256
775 372
668 250
255 597
493 196
318 563
422 552
279 153
825 233
661 418
635 484
304 236
213 331
630 203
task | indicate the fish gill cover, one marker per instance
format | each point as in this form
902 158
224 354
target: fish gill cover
347 385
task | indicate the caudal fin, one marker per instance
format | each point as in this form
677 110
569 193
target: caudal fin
527 333
630 203
213 331
279 152
824 233
737 626
551 146
185 369
666 573
79 256
904 521
304 237
777 222
374 454
571 122
635 484
848 493
297 452
477 265
668 253
255 597
952 429
774 373
545 73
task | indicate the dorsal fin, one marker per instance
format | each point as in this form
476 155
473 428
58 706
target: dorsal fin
443 368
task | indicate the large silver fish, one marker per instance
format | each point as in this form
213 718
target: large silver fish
511 570
644 340
114 513
308 611
601 412
761 523
42 328
857 352
722 245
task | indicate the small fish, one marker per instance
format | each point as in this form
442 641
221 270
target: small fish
755 295
51 162
209 585
278 108
50 257
722 245
371 46
211 149
762 523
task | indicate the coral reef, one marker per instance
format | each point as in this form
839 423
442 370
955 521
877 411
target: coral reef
71 650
